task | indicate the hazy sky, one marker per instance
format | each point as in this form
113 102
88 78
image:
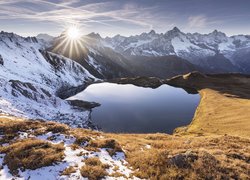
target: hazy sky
125 17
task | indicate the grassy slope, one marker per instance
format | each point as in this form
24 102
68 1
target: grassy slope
154 156
224 106
219 114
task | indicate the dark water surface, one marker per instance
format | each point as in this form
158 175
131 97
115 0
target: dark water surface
132 109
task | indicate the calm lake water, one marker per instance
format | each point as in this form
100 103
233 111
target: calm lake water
132 109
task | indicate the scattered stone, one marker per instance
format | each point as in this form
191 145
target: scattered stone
1 60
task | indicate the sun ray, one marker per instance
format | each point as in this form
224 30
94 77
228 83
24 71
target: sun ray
62 43
71 49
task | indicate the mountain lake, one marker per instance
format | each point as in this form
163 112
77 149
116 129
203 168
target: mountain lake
132 109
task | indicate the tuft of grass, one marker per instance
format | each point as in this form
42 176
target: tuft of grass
111 144
117 175
94 169
83 135
82 139
56 127
93 172
69 170
31 154
11 127
94 161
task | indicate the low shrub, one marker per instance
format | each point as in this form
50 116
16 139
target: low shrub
69 170
31 154
94 169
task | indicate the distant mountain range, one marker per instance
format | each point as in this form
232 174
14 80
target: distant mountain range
179 53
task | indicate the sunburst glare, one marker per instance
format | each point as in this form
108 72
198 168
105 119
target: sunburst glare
73 32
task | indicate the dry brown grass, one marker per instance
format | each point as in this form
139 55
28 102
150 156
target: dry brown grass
69 170
83 135
31 154
93 172
167 157
117 175
94 169
220 114
111 145
172 157
11 126
94 161
56 127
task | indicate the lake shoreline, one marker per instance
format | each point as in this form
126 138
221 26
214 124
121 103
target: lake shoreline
126 108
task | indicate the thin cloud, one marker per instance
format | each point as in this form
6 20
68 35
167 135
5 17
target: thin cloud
65 12
199 21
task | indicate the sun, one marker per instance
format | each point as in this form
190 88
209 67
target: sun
71 41
73 33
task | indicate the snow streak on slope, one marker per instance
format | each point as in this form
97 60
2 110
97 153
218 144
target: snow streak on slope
72 158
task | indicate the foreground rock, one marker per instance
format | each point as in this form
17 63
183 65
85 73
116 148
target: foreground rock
83 104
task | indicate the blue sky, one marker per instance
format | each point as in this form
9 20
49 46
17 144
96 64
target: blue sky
125 17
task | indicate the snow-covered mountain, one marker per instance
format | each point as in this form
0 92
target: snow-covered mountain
30 78
204 50
162 55
102 61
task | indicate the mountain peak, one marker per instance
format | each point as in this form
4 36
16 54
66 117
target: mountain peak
94 35
215 31
218 33
152 32
174 32
176 29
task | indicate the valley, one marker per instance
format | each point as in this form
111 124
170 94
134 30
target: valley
38 121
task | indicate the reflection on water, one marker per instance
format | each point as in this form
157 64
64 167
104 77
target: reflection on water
128 108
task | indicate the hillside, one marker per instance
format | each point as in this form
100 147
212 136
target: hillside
30 149
31 77
224 105
215 145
